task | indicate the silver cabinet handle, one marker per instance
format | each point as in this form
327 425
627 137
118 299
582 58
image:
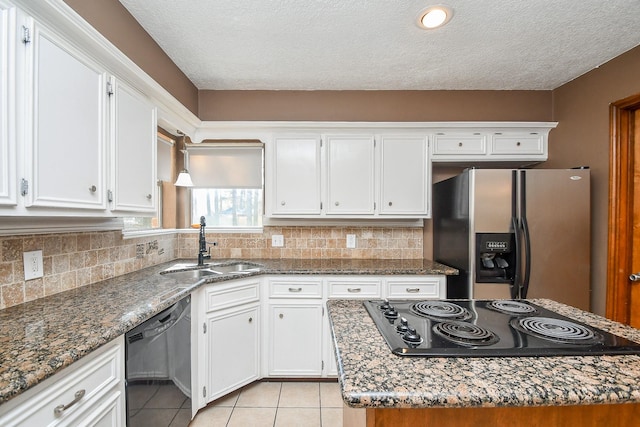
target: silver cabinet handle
337 203
390 203
281 315
354 290
93 189
250 319
295 289
282 203
635 277
460 144
58 410
413 290
148 196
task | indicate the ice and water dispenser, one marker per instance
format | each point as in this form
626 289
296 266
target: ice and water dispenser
496 257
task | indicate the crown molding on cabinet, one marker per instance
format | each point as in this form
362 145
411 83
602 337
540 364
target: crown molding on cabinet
264 129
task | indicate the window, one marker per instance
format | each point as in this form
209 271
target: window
228 183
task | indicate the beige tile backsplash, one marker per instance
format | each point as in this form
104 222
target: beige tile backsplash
311 242
72 260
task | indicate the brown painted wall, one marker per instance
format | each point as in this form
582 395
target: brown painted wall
115 22
582 138
375 105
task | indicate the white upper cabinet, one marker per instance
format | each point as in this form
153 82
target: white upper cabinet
517 144
350 175
133 145
293 176
74 139
65 125
8 174
405 177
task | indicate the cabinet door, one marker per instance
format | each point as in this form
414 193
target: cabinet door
296 176
233 348
295 340
7 107
65 117
133 144
405 176
350 175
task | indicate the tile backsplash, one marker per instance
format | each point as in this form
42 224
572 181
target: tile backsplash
311 242
72 260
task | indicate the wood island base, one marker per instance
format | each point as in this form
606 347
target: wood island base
620 415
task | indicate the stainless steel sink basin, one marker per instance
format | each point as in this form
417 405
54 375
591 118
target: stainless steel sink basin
236 268
186 271
194 274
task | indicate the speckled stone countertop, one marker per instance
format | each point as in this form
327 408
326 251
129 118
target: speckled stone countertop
371 376
40 337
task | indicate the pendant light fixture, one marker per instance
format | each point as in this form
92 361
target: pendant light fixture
184 179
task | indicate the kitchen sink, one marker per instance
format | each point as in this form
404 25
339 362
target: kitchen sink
190 271
236 268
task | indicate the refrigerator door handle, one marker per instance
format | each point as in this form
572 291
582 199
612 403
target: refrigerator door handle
515 285
524 289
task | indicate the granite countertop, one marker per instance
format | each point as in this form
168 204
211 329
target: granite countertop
40 337
371 376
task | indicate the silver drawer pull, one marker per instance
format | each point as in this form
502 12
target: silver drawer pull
93 189
295 289
149 196
58 410
413 290
354 290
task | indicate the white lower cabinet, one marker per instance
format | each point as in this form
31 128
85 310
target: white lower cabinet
295 344
88 393
228 348
416 287
233 344
294 332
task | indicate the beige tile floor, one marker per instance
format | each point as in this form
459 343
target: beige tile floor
276 404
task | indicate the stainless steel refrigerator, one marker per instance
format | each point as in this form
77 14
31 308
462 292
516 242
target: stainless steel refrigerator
515 233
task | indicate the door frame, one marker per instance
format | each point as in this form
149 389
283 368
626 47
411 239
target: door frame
621 174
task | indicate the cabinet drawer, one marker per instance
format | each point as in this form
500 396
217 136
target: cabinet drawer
287 288
79 388
526 144
228 295
460 144
424 287
354 288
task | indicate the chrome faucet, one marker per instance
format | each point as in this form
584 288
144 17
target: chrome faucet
203 253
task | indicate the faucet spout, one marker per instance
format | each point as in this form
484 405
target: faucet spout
203 253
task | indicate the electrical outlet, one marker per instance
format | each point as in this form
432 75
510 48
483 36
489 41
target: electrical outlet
351 241
277 241
32 264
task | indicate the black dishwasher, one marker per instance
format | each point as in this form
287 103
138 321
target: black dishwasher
158 368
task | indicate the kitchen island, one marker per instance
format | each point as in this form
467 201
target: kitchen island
381 389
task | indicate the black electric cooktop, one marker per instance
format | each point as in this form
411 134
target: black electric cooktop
488 328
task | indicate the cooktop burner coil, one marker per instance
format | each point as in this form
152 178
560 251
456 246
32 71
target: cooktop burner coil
440 310
558 330
512 307
465 333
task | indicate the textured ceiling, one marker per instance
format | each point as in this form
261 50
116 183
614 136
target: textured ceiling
376 44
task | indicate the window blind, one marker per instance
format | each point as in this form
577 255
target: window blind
226 165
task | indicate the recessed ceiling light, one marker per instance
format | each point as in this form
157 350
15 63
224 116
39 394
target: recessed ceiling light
434 17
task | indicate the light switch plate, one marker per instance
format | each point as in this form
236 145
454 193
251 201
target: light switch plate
32 264
351 241
277 241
